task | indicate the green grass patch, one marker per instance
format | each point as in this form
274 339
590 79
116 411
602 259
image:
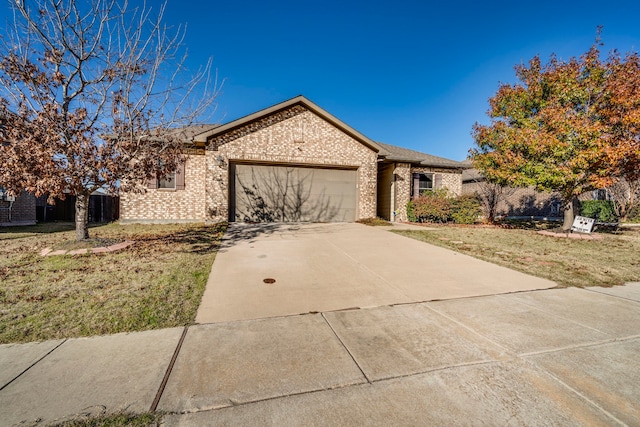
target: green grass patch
155 283
611 261
116 420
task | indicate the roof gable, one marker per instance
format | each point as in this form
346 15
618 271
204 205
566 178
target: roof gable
300 101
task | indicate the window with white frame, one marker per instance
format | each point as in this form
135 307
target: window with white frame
168 181
601 194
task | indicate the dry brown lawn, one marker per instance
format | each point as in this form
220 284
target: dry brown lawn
611 261
155 283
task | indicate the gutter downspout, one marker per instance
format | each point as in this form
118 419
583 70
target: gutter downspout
8 209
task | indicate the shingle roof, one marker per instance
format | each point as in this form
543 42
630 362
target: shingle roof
412 156
187 133
470 174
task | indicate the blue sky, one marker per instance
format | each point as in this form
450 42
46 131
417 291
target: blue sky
416 74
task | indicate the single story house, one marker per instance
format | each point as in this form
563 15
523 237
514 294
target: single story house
292 161
514 202
522 202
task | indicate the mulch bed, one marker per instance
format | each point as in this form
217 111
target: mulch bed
98 250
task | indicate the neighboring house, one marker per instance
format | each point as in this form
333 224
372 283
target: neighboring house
28 209
290 162
512 201
19 210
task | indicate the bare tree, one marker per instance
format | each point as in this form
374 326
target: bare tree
490 194
93 94
625 195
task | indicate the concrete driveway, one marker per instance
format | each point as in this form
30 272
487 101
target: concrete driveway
328 267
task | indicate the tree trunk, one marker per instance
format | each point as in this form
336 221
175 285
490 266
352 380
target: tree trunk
82 216
570 208
492 202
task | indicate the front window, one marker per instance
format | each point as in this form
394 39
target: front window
422 182
168 181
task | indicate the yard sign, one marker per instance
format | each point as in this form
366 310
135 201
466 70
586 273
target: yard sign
582 224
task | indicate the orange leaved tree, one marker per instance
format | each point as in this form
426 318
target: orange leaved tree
568 126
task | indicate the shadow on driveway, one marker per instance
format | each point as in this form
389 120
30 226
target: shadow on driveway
268 270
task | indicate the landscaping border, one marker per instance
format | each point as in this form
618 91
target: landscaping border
98 250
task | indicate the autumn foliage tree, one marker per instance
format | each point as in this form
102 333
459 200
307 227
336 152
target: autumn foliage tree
568 126
93 95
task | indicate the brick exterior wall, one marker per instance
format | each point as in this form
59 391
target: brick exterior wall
22 210
521 201
162 205
451 179
402 189
526 202
294 136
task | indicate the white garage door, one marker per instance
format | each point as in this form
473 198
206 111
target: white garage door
268 193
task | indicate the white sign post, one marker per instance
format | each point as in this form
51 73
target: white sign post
583 224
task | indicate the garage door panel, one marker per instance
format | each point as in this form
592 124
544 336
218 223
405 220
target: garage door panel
280 193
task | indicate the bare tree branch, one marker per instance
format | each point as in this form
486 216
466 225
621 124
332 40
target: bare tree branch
626 196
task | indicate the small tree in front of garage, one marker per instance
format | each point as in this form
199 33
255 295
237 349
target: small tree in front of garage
568 126
91 95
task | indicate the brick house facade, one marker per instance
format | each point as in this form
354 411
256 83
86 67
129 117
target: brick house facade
309 158
514 202
20 211
523 202
171 205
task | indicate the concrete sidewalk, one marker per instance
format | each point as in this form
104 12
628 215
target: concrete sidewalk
549 357
326 267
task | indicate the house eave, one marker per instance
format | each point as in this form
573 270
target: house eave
451 165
